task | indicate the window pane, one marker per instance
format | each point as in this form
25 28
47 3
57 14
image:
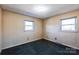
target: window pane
68 21
28 27
28 23
68 27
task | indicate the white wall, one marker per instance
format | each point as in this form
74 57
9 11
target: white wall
0 28
13 29
52 30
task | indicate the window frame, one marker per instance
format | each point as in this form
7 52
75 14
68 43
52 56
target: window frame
69 24
26 25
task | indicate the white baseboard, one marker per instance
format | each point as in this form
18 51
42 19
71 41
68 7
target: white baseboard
64 44
21 43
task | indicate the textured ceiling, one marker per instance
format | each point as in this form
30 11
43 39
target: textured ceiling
51 9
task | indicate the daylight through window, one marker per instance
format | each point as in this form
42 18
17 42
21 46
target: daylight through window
68 24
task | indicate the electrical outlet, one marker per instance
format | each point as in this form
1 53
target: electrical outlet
55 38
27 38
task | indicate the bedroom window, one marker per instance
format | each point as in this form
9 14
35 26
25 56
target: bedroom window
68 24
29 25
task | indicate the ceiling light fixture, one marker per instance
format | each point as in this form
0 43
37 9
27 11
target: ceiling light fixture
40 8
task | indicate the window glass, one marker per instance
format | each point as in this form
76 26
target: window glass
68 24
29 25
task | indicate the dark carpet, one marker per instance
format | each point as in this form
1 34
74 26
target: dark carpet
40 47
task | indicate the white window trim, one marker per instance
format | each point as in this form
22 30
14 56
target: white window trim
28 25
69 24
